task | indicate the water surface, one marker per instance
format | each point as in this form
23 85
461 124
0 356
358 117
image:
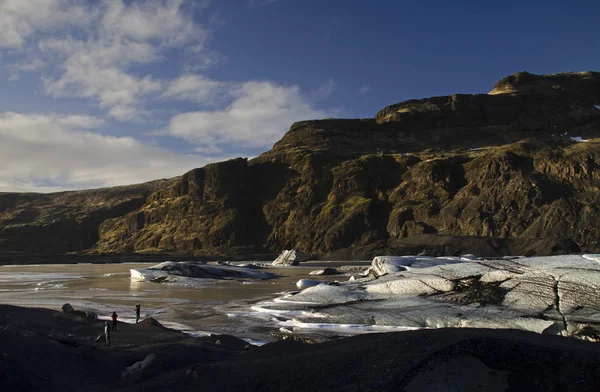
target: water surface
222 307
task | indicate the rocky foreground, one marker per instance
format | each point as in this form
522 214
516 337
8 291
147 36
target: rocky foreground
511 172
49 350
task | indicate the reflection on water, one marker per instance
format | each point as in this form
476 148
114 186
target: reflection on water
218 307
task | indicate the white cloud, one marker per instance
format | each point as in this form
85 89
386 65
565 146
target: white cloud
364 89
105 52
20 19
210 150
49 152
16 69
199 89
260 113
203 59
164 21
115 90
326 89
97 66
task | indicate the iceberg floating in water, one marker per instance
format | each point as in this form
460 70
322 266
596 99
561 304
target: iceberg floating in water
290 257
170 271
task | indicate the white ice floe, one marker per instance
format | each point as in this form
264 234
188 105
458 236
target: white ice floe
306 283
593 257
292 325
328 294
383 265
421 284
554 294
182 272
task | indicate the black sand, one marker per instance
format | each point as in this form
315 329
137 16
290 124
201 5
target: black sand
45 350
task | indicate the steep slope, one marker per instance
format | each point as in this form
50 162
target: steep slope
67 221
489 173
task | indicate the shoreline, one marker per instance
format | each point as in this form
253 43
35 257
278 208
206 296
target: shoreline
18 258
50 350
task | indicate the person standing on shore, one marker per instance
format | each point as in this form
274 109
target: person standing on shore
114 321
107 333
137 313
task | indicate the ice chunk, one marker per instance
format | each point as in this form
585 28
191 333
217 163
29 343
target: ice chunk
383 265
306 283
411 285
593 257
290 257
578 139
170 271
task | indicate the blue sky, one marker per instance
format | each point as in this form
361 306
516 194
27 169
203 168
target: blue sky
103 93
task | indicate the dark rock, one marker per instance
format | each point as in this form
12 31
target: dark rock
91 316
326 271
67 308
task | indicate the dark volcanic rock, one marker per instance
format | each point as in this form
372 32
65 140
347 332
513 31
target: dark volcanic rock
490 174
436 359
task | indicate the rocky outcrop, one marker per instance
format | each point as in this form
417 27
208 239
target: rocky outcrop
490 174
67 221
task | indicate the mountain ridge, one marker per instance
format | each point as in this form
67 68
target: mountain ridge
491 173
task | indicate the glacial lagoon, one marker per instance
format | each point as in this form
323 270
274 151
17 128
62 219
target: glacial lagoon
551 295
199 307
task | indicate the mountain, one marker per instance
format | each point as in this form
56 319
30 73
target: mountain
55 223
490 174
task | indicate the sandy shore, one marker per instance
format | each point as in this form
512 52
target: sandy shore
46 350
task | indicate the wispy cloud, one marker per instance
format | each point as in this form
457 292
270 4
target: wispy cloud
96 62
364 89
18 68
258 115
109 55
50 152
199 89
19 19
326 89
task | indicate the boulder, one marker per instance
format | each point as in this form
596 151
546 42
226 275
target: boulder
140 365
326 271
67 308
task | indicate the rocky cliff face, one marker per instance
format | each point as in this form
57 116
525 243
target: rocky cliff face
490 174
65 222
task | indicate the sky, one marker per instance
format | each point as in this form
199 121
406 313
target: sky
113 92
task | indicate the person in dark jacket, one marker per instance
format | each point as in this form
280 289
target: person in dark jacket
114 321
137 313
